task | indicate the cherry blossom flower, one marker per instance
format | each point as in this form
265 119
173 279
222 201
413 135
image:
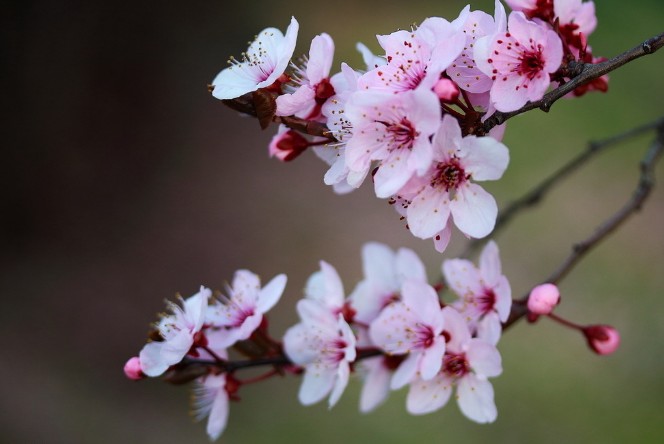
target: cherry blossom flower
475 25
414 57
519 61
394 129
412 326
264 62
446 190
385 271
575 17
179 332
312 80
485 293
241 311
467 364
287 144
324 345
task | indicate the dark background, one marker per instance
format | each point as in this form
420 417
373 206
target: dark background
124 182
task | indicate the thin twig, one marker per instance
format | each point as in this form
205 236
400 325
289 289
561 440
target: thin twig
537 194
580 249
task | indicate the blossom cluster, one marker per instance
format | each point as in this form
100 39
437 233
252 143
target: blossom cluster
411 119
394 329
412 115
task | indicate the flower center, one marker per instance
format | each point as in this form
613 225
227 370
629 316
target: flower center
449 175
532 62
486 301
455 365
402 133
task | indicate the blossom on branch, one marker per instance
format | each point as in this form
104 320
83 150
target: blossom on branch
264 62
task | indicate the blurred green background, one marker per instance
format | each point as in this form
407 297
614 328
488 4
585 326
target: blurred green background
124 182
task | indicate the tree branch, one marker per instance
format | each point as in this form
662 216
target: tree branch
580 249
537 194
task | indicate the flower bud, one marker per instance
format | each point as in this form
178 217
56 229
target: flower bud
543 299
132 369
603 339
288 145
446 90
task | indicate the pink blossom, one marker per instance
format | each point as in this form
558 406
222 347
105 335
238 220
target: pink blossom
475 25
241 311
312 80
602 339
325 346
178 331
467 364
412 326
519 61
264 62
395 130
132 369
385 271
484 292
447 189
575 17
543 298
414 58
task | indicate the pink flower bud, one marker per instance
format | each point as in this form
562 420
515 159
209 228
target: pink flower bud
543 299
603 339
287 145
133 370
446 90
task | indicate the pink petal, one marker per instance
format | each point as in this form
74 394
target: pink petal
474 210
406 371
321 54
462 276
475 399
271 293
428 212
289 104
218 414
432 359
428 396
484 358
317 382
484 157
376 384
490 268
343 373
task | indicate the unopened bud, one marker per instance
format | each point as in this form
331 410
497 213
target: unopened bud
446 90
603 339
543 299
132 369
288 145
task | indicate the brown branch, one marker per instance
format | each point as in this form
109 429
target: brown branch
537 194
580 249
585 72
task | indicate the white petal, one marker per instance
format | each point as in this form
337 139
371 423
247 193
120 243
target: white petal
321 54
474 210
271 293
475 399
484 358
462 276
218 415
152 363
428 396
489 328
317 382
409 266
432 359
490 267
428 212
406 372
484 157
343 373
376 384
